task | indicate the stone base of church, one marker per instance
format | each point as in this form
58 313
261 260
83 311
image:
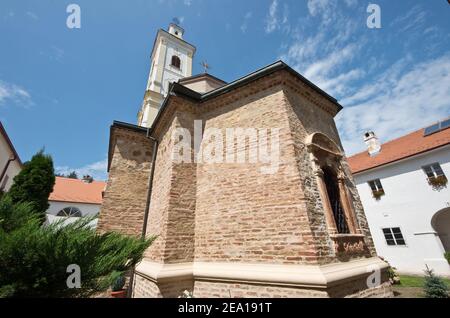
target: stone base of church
236 280
147 288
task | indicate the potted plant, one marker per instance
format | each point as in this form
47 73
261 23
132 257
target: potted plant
377 194
117 290
438 182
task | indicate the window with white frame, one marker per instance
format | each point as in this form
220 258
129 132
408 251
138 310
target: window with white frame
377 188
70 212
393 236
433 171
435 176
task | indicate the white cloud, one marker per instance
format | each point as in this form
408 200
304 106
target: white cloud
97 170
275 21
398 102
247 17
272 19
325 9
411 20
322 59
187 2
12 93
326 65
351 3
57 53
332 50
32 15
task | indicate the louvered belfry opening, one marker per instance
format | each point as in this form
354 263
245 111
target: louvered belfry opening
332 186
176 62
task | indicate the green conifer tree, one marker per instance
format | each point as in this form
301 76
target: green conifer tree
434 286
34 183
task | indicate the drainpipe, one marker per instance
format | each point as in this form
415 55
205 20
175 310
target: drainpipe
147 204
6 167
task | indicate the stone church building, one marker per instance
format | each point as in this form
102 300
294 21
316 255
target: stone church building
226 229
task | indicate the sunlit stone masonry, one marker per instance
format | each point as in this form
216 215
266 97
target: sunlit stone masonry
227 225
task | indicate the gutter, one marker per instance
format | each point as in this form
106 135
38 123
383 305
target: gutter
176 88
14 158
147 204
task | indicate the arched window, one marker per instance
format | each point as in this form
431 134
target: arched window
176 62
326 158
70 212
332 186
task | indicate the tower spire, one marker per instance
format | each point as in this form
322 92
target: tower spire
171 60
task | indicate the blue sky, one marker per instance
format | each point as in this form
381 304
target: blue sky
61 88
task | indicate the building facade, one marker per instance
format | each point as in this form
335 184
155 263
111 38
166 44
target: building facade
74 198
289 224
10 164
171 60
403 187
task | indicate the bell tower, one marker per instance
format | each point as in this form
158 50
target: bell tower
171 60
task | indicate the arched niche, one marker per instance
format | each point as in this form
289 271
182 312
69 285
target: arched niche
326 159
441 224
321 143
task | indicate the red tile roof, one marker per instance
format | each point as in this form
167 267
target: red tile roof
406 146
74 190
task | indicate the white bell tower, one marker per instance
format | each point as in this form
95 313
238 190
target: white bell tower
171 60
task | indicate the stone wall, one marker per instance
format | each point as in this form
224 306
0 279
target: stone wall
124 199
232 212
243 290
145 288
306 118
243 214
172 208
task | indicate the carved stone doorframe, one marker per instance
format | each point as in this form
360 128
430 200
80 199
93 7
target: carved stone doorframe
325 153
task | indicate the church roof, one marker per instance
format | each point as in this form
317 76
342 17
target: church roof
176 88
199 76
277 66
77 191
401 148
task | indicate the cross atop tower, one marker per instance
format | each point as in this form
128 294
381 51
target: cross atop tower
205 66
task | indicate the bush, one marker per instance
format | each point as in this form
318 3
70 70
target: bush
447 256
34 183
434 286
34 258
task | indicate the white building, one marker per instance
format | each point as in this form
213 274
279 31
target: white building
171 60
10 164
73 198
403 187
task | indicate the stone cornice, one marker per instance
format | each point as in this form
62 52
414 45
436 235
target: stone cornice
311 276
124 130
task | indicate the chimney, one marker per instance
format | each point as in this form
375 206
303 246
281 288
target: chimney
87 179
372 143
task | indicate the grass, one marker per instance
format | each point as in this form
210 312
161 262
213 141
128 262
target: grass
411 286
415 281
